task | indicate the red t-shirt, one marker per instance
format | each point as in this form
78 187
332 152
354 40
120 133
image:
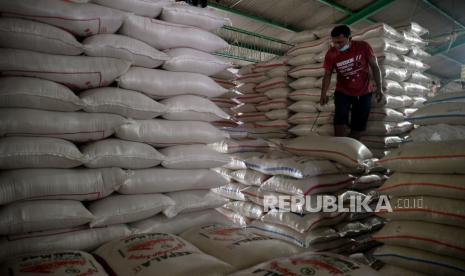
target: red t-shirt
352 68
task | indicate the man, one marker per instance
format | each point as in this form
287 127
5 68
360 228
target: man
352 61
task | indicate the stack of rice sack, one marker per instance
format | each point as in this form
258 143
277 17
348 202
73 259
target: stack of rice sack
263 111
426 228
41 126
240 210
306 59
319 170
399 56
184 88
441 118
57 146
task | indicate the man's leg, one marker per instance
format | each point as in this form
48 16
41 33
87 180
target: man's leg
341 114
361 108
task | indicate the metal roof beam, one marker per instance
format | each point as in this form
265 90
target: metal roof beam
341 8
445 48
444 13
366 12
253 17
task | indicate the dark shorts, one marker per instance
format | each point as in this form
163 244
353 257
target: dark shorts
358 106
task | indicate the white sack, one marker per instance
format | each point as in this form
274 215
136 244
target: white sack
302 59
193 157
231 191
452 113
440 157
436 133
312 95
164 254
164 133
40 215
193 108
318 263
346 151
149 8
303 36
163 35
293 167
73 126
194 61
178 224
164 84
312 70
193 200
277 82
160 180
38 152
125 48
122 154
204 18
311 47
304 107
127 103
304 83
38 37
79 19
307 186
86 72
72 184
314 119
436 238
75 261
37 94
423 262
412 184
80 238
231 244
117 209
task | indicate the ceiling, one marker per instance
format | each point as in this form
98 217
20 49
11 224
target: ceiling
280 19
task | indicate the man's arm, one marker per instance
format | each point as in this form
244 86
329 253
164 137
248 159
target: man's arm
373 61
326 82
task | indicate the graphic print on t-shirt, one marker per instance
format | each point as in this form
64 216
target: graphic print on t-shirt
351 67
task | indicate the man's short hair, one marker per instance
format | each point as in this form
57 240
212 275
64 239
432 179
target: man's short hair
341 30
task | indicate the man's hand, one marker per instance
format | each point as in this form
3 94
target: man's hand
379 94
324 99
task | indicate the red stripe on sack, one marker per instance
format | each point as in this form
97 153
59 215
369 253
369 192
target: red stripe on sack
326 185
327 151
422 157
422 184
426 211
418 238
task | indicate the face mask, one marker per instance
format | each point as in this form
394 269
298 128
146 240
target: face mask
345 47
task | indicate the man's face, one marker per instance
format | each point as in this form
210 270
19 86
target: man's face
339 41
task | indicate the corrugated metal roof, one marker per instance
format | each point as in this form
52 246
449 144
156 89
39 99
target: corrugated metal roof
308 14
